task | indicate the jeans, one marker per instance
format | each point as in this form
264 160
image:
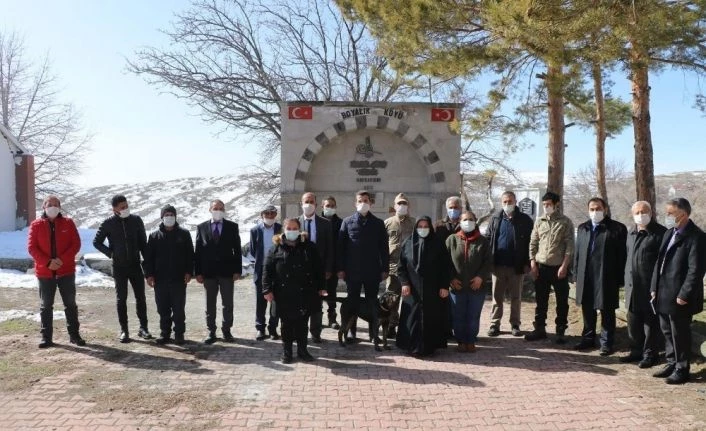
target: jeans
171 300
47 291
212 286
260 308
134 274
466 307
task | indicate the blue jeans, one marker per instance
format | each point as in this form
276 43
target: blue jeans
466 308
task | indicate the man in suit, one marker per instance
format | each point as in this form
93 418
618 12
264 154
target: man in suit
599 265
328 211
218 263
643 244
677 287
260 243
318 230
363 257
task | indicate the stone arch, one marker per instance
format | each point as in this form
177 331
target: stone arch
422 146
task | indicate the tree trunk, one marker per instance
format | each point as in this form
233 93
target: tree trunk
644 163
600 130
555 174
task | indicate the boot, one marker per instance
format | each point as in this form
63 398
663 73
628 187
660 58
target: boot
287 356
539 333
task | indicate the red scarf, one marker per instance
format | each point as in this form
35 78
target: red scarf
468 238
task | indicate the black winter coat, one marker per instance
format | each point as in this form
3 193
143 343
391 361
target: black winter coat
294 274
363 248
643 249
523 225
169 255
126 239
683 272
218 259
609 255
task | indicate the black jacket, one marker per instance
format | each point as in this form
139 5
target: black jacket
607 262
363 248
294 275
683 272
642 249
169 255
522 225
126 239
218 259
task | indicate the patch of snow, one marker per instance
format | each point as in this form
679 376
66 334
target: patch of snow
30 315
85 277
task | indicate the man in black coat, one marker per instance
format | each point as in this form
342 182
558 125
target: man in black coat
678 287
218 264
599 265
643 244
318 231
328 211
363 257
509 233
126 240
169 265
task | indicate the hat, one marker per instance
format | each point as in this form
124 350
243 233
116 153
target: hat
401 197
269 208
167 209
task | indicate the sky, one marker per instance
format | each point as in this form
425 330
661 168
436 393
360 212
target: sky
142 135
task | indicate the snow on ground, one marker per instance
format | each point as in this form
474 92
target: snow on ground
85 277
24 314
13 244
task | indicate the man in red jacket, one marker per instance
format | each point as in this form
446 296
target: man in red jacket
53 242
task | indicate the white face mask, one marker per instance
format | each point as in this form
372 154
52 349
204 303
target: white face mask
308 209
423 232
642 219
468 225
596 216
329 212
124 213
670 222
268 221
509 209
363 207
169 221
218 215
549 210
402 209
52 212
291 235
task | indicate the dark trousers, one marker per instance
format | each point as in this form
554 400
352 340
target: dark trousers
225 286
47 292
590 319
294 329
548 278
315 320
136 277
370 287
260 308
331 285
677 339
644 333
170 297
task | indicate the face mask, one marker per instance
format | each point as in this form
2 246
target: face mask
642 219
169 221
509 209
291 235
308 209
363 208
402 210
423 232
670 222
124 213
596 216
52 212
453 213
329 212
217 215
468 225
548 210
268 221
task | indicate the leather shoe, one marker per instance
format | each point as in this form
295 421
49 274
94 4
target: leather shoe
605 351
77 340
211 338
286 358
678 377
46 342
666 371
179 339
536 335
493 331
317 340
162 340
305 356
124 337
227 337
260 335
274 334
584 345
632 357
516 331
144 334
647 363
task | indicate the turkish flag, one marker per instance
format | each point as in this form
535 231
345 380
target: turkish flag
301 112
443 114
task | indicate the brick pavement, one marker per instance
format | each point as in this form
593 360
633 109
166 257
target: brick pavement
509 384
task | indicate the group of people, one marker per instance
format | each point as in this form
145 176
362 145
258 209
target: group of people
437 272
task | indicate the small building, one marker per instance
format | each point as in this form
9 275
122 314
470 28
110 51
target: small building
16 183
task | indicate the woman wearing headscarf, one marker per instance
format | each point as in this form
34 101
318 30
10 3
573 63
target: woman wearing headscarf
472 265
424 273
293 276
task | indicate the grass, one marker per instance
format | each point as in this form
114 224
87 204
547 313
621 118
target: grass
17 374
18 326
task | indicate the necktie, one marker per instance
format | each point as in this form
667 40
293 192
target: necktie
308 229
216 232
671 243
594 233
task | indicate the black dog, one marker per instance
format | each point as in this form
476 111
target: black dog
385 303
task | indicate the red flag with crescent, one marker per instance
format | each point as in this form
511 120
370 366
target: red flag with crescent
443 114
301 112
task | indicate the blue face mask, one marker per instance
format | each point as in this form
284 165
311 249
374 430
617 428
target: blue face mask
453 213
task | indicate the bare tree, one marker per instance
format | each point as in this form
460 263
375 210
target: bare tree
30 108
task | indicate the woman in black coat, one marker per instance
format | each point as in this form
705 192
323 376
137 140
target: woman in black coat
293 276
424 272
